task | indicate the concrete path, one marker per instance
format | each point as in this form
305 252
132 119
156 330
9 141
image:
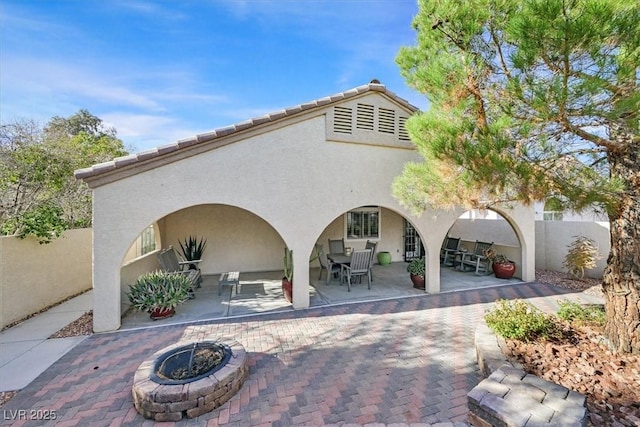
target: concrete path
25 351
408 360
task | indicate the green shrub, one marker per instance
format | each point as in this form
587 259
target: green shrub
576 312
517 319
159 290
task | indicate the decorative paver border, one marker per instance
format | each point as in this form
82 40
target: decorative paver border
511 397
172 402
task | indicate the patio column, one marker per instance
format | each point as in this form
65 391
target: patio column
300 278
432 279
106 282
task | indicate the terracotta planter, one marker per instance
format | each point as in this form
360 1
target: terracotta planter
160 313
287 289
504 270
418 281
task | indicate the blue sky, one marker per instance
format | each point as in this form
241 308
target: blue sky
159 71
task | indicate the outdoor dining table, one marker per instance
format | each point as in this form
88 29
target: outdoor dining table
339 258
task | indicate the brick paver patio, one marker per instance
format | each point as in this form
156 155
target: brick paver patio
404 361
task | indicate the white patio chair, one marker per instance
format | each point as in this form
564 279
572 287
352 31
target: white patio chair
326 264
359 266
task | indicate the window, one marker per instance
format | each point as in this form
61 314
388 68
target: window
552 216
363 223
147 241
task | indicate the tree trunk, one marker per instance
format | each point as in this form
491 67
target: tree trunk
621 282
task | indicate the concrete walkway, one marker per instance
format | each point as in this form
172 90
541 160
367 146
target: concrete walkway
406 360
25 351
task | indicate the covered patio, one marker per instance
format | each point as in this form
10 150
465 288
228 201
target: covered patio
260 292
316 171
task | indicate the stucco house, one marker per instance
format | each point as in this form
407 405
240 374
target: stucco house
319 170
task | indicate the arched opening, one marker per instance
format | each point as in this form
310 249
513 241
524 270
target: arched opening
236 240
473 233
357 228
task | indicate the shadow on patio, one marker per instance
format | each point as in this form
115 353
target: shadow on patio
260 292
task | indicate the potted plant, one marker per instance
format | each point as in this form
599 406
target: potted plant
416 269
193 249
158 293
502 266
287 280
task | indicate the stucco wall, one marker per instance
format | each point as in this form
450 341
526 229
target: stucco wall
289 175
35 276
498 231
133 269
391 234
236 238
553 237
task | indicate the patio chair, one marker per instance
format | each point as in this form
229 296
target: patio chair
371 245
476 259
359 266
336 246
449 250
326 264
171 262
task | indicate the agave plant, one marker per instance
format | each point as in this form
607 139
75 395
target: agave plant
417 267
159 291
192 249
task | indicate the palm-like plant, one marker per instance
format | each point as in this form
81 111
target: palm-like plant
192 249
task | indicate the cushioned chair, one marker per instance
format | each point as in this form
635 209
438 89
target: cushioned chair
359 266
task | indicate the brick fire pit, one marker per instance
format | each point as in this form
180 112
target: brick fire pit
161 399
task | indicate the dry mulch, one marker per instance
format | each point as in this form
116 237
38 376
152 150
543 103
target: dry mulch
581 362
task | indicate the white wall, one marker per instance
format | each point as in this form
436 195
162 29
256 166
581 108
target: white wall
391 235
552 240
498 231
554 237
130 272
236 239
35 276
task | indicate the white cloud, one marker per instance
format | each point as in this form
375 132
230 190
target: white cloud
150 9
44 77
144 131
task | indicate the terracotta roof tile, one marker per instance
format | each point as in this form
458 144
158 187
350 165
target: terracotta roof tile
229 130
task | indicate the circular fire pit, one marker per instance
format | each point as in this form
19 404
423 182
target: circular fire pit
189 379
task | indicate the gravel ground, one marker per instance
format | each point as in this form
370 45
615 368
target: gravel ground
81 326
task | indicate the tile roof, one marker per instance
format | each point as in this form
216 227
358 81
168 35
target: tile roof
220 133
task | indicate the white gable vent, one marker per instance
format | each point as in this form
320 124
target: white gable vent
342 120
403 135
364 118
371 123
386 120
